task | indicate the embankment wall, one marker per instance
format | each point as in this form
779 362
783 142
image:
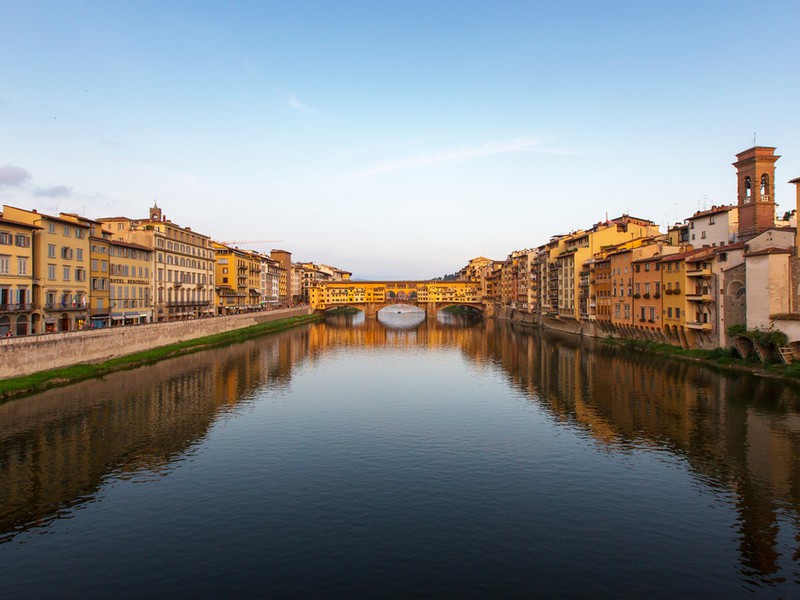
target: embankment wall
30 354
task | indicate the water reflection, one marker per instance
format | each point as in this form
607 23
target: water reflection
739 435
401 316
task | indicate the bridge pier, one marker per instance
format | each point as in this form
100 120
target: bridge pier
431 310
370 310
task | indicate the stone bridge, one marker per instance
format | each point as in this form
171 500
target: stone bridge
372 296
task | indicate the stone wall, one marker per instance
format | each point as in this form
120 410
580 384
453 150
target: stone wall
30 354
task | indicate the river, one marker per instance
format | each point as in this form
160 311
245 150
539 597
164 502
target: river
427 458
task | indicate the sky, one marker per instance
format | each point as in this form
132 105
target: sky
396 140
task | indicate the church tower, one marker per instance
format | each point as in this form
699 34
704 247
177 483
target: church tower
755 173
155 212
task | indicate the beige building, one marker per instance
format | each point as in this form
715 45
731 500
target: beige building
130 292
182 268
16 277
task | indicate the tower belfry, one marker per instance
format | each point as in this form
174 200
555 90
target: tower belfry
155 212
755 173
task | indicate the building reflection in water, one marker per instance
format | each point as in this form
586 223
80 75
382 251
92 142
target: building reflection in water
738 434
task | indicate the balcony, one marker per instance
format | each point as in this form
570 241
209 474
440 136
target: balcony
698 326
65 306
698 273
15 307
699 297
187 303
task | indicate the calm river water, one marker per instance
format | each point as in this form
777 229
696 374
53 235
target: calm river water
435 458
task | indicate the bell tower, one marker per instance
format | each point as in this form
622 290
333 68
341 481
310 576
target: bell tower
155 212
755 174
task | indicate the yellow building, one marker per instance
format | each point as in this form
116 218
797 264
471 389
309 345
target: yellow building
576 249
238 279
99 284
99 300
60 270
16 277
673 301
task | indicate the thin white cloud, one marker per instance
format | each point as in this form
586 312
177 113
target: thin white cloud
12 176
456 155
299 106
57 191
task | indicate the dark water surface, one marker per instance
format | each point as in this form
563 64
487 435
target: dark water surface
415 458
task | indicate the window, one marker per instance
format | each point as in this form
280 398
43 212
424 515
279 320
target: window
51 250
95 264
711 220
5 268
22 265
103 265
79 252
66 230
5 238
51 227
66 273
703 235
677 313
669 312
79 233
23 241
51 272
66 252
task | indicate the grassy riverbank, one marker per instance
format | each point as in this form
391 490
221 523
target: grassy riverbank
718 357
43 380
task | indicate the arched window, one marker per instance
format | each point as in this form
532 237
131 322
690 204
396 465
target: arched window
22 325
765 188
747 189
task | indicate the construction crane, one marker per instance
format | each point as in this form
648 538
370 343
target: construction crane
249 242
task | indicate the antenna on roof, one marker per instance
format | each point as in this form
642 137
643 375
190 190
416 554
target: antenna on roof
754 139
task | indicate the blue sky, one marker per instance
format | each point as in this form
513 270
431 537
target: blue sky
393 139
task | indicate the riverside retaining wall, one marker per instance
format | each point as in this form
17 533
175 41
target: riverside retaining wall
30 354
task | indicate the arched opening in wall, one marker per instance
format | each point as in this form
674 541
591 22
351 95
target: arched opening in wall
401 316
747 189
736 296
413 296
402 295
63 322
764 188
22 325
390 295
344 316
5 326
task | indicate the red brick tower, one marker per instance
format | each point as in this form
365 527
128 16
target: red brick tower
755 172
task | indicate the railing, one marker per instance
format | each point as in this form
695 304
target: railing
187 303
65 306
15 307
698 273
698 325
699 297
